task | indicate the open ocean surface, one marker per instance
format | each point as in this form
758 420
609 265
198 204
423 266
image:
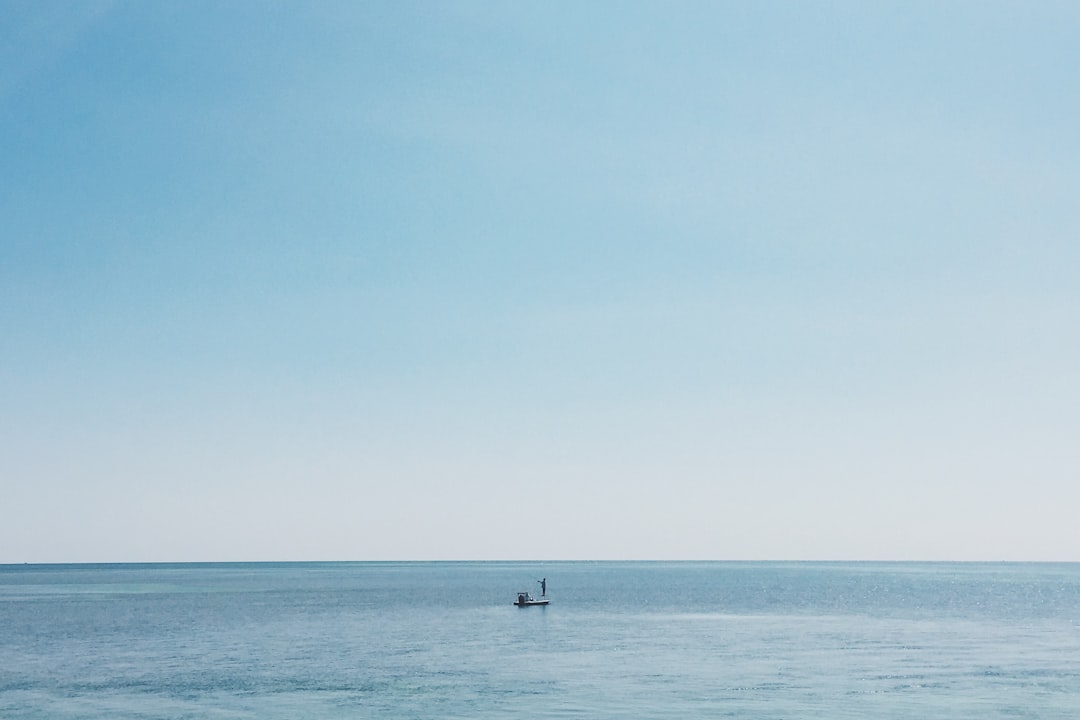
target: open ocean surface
620 640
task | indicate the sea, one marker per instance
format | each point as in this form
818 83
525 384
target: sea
619 640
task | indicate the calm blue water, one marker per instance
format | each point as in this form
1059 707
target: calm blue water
620 640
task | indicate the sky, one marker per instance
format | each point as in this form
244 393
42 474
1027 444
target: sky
561 280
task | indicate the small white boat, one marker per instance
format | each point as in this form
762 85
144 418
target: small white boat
524 599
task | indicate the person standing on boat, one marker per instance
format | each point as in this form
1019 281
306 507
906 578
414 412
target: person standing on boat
543 587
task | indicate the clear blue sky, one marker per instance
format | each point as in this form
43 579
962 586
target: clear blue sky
391 280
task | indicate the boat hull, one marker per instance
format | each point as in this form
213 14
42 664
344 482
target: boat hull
524 599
